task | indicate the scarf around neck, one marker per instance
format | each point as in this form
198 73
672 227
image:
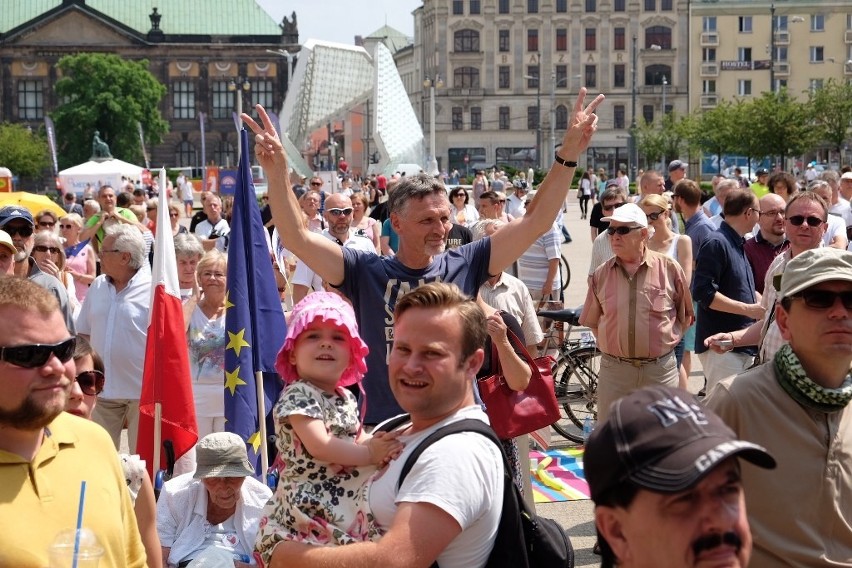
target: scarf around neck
793 379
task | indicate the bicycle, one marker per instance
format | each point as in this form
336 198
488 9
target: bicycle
575 372
565 272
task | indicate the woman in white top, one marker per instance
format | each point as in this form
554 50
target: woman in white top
462 212
666 241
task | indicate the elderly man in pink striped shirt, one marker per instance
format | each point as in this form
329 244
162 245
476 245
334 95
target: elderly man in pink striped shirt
638 306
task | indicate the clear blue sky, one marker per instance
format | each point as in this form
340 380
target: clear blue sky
341 20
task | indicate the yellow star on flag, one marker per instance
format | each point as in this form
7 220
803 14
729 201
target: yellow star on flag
254 440
228 303
236 341
233 380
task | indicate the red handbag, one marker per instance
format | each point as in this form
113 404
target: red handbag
514 413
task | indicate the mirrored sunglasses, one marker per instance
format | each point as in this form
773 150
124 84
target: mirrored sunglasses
338 212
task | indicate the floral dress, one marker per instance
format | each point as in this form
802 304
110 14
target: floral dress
316 502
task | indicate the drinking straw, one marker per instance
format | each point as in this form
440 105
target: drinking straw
79 523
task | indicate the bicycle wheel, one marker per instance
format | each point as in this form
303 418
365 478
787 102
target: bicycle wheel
575 380
564 271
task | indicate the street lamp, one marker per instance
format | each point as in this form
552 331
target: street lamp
633 149
432 166
538 118
665 84
548 159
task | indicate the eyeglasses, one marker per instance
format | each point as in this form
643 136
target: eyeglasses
316 183
611 206
43 248
48 224
174 215
824 299
758 211
799 219
458 195
91 382
620 230
61 226
152 208
772 213
23 231
37 355
338 212
654 216
215 275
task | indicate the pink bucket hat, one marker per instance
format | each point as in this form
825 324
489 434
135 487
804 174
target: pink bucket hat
327 307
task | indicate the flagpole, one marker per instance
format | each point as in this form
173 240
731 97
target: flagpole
261 419
158 420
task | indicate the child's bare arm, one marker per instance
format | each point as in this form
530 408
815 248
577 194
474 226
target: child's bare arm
322 445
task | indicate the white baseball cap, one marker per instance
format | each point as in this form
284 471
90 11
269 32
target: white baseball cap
628 213
6 241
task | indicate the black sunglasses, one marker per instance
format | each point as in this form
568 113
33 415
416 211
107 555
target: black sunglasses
799 219
338 212
620 230
824 299
23 231
32 356
43 248
612 206
91 382
654 216
46 224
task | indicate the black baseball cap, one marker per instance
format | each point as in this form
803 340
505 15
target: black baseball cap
661 439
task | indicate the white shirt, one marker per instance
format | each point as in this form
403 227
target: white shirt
515 206
117 324
304 276
205 227
836 226
512 296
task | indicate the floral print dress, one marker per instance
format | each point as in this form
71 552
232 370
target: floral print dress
316 502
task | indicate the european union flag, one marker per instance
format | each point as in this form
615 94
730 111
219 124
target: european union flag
254 319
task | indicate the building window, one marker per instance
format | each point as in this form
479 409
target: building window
458 7
618 117
619 39
781 23
817 54
658 35
708 86
815 84
532 118
532 76
476 118
591 39
561 76
224 154
561 117
223 100
648 113
261 94
745 24
650 5
618 75
743 54
666 5
503 7
591 6
466 78
504 77
817 22
532 40
475 7
619 6
743 87
466 41
654 74
532 6
561 39
458 118
848 21
504 118
503 40
708 24
185 155
780 54
183 99
30 100
708 54
561 6
591 76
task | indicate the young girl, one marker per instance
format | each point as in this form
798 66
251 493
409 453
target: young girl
320 495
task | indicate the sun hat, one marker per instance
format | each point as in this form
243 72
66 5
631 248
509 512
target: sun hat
662 439
221 454
815 266
628 213
6 241
327 307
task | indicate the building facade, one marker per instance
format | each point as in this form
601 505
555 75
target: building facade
511 69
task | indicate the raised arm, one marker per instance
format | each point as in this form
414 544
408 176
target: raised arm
511 241
322 255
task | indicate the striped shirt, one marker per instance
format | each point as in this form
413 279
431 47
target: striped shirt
640 316
534 264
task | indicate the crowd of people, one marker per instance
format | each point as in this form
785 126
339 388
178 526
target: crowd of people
399 295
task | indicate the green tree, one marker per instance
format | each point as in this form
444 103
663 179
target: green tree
778 125
110 95
830 109
650 143
24 152
716 130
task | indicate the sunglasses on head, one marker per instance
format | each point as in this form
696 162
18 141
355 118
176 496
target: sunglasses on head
611 206
37 355
620 230
23 231
824 299
43 248
799 219
338 212
91 382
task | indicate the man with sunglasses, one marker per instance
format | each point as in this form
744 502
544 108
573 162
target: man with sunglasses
46 453
611 199
18 223
797 407
635 291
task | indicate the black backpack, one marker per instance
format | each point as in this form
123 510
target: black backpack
524 540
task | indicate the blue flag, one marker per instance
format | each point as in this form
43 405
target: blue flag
254 320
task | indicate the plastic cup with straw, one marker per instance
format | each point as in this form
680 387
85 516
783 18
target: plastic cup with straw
77 548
